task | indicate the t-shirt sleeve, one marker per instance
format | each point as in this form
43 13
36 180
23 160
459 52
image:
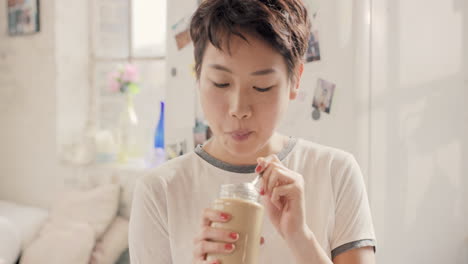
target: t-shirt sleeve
353 220
148 230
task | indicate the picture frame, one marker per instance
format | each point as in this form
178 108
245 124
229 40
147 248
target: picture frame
323 96
23 17
313 47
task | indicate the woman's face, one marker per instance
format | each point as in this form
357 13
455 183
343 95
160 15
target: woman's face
244 95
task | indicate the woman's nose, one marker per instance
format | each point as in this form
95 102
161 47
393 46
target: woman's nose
240 106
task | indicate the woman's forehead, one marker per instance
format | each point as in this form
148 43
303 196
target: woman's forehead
254 54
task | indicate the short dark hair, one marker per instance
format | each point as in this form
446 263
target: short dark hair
284 24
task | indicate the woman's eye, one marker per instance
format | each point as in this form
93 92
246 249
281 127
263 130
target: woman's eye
262 90
221 85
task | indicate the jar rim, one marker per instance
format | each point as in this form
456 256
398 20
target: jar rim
244 191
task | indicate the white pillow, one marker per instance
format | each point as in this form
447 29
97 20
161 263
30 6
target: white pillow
112 244
28 219
10 242
97 207
59 243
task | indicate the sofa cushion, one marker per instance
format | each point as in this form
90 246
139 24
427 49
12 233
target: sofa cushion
27 219
61 242
97 207
10 241
112 244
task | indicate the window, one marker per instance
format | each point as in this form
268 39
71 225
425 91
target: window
148 28
124 31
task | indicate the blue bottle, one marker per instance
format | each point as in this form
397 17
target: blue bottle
159 134
158 155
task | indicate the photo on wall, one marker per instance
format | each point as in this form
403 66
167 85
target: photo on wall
23 17
323 96
313 49
181 32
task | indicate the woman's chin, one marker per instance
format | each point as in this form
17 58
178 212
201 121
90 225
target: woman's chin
242 148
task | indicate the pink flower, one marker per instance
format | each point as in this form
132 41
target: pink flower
130 73
113 82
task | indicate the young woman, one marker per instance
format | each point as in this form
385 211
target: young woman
249 61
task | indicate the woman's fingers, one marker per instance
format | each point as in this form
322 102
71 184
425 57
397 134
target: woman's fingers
209 247
276 174
264 162
211 215
217 234
265 166
212 233
211 239
205 244
280 191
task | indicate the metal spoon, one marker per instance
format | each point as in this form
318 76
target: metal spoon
257 180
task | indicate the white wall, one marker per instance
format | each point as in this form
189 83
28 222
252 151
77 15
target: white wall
28 168
337 46
419 130
180 89
36 83
344 43
72 79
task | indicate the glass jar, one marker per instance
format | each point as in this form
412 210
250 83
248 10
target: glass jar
241 201
128 132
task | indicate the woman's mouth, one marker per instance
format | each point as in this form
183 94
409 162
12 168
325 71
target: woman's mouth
240 135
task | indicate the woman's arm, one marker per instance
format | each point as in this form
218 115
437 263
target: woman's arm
306 249
285 205
356 256
148 235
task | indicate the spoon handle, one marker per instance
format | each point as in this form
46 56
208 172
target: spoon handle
257 180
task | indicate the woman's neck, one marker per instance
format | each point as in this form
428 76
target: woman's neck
274 145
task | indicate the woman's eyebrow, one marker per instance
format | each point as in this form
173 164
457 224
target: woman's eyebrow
260 72
263 72
220 67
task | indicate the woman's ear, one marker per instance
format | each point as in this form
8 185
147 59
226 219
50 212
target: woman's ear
297 81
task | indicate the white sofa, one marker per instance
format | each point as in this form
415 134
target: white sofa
19 225
82 227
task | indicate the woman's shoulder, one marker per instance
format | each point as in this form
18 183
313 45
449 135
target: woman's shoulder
170 170
326 162
320 152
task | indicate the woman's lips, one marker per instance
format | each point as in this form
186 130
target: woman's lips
240 135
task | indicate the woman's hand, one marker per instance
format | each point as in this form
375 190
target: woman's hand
205 241
284 201
214 240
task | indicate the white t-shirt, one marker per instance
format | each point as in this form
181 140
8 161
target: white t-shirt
168 204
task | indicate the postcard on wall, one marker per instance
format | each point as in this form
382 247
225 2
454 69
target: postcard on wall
23 17
313 49
181 32
323 96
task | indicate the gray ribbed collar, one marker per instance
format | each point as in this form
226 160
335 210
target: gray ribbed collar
241 168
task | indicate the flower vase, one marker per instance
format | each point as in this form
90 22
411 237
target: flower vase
128 132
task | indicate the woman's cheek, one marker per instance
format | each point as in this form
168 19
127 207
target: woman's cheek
214 100
270 113
213 107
